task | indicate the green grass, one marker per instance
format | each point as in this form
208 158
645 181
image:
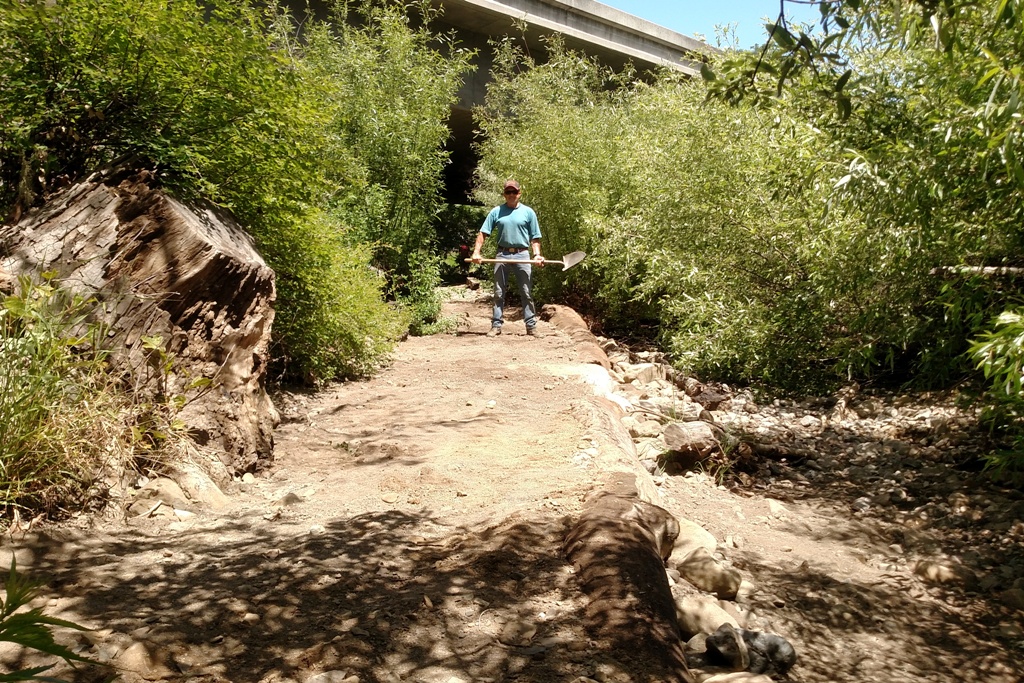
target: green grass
63 420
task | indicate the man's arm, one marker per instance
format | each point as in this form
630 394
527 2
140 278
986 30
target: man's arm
480 237
535 238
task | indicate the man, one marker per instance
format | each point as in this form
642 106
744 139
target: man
518 233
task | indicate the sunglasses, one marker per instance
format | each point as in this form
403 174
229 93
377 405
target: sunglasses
511 191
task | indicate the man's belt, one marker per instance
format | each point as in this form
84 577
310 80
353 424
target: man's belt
514 250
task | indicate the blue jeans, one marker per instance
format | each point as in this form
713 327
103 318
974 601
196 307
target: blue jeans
523 273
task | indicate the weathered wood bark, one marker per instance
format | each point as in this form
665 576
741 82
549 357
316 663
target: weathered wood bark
619 546
158 267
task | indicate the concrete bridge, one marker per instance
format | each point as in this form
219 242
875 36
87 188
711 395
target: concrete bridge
612 36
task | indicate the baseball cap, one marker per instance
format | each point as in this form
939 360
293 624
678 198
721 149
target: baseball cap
513 184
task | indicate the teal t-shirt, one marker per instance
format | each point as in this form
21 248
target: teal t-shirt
516 227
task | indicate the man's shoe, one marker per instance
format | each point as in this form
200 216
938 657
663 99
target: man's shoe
532 332
494 332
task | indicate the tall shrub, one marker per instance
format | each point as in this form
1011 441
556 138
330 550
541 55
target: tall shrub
393 83
318 146
699 219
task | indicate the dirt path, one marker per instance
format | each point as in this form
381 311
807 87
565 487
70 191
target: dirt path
410 530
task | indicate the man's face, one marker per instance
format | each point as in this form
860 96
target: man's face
511 197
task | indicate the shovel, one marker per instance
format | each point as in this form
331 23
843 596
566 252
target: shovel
568 261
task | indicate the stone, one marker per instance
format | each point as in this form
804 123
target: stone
710 398
691 536
690 442
646 429
750 651
1013 597
185 273
706 573
738 677
726 647
645 373
165 490
945 573
701 614
329 677
776 509
517 633
195 481
650 448
289 498
698 643
146 661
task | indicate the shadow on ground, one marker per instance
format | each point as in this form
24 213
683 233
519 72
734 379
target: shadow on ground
379 595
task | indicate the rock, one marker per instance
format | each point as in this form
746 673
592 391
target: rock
706 573
691 440
145 661
645 373
752 651
646 429
650 448
517 633
698 643
289 498
165 490
701 614
738 677
330 677
737 611
727 648
187 274
945 573
711 399
691 536
776 509
1014 597
197 484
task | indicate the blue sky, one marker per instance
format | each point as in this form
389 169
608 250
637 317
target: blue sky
700 16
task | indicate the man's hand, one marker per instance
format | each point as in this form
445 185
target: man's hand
539 259
476 257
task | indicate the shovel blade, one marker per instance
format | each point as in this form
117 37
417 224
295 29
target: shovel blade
570 260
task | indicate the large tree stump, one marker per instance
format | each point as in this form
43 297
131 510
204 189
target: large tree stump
159 267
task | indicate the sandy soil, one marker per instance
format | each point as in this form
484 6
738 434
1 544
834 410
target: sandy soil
410 529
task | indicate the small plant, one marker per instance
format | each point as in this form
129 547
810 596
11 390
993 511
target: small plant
31 629
63 416
53 394
999 354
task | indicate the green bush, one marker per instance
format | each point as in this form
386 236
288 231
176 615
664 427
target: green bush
999 354
336 323
700 229
393 85
783 244
226 103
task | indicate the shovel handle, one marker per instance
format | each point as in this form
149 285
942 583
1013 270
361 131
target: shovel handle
506 260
